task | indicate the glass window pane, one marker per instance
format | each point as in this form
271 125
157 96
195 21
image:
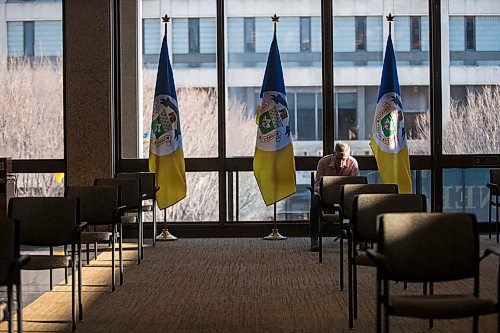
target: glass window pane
465 191
246 203
192 46
299 42
39 184
201 203
471 98
358 60
31 79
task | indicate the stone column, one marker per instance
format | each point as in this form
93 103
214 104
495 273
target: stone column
88 94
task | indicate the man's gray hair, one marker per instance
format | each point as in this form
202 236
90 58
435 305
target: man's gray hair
342 147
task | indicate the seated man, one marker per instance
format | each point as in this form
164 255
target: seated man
340 163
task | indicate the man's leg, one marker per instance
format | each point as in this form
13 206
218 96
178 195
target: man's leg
314 221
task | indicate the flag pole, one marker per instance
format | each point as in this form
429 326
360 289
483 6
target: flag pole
275 235
165 235
390 19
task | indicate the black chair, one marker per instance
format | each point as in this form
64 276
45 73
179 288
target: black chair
99 206
132 199
494 186
347 194
331 211
429 248
363 232
10 265
51 222
149 189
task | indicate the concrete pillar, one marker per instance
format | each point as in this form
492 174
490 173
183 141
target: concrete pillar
88 94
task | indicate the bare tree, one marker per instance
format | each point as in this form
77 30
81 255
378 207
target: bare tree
31 126
474 126
199 123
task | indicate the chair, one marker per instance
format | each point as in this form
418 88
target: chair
99 206
363 231
149 189
10 264
331 210
132 200
428 248
494 186
52 222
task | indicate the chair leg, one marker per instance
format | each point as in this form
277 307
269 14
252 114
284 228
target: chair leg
154 222
320 242
73 287
10 307
141 226
66 268
113 264
475 324
350 281
431 292
139 257
95 251
341 244
80 278
355 290
489 216
51 282
87 252
19 306
120 245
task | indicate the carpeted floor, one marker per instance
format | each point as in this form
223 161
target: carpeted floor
231 285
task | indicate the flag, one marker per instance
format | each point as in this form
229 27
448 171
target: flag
166 158
388 139
274 163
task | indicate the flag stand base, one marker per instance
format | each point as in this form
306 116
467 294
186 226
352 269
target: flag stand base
165 236
275 235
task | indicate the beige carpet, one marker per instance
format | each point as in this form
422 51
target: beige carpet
231 285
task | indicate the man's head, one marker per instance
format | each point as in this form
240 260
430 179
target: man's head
342 153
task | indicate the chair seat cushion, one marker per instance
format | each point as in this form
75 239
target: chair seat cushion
95 236
362 259
39 262
129 219
440 306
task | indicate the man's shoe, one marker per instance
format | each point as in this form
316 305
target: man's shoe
314 244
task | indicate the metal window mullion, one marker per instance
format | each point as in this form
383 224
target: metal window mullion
221 109
327 73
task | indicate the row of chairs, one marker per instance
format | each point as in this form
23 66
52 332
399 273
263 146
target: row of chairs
353 206
54 222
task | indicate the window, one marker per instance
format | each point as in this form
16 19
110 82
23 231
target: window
415 43
305 34
194 35
470 33
249 31
29 38
151 36
360 33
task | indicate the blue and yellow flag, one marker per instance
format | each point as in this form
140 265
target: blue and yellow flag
274 163
166 157
388 140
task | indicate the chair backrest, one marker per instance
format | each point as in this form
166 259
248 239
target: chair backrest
330 188
366 207
148 182
495 176
428 247
495 179
349 191
97 203
129 189
8 249
45 221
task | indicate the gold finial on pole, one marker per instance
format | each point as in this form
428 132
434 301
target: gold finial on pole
390 19
275 19
165 20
